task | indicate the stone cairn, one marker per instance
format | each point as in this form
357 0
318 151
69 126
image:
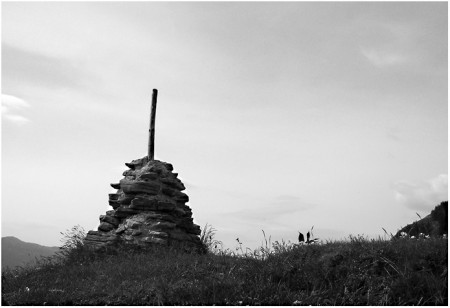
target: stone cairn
149 207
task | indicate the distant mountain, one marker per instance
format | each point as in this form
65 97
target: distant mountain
434 224
18 253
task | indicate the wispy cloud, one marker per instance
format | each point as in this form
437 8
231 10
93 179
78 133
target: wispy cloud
424 195
11 107
29 66
383 58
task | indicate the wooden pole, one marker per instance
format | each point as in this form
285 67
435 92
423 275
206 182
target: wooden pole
151 138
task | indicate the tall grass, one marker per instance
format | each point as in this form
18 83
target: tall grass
354 272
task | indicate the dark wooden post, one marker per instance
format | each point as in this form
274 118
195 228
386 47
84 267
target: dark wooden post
151 138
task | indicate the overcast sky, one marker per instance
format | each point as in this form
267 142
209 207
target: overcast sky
277 116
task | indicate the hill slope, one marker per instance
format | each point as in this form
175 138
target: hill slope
357 272
434 224
18 253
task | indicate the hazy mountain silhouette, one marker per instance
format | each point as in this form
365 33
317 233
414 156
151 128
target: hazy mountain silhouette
18 253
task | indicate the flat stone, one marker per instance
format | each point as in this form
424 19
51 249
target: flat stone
191 228
128 173
168 191
195 229
149 187
149 176
114 197
163 225
123 212
133 224
144 203
166 206
115 185
185 222
121 229
105 226
93 232
110 219
157 216
114 204
168 166
173 182
126 199
137 163
130 165
158 234
100 238
179 211
181 197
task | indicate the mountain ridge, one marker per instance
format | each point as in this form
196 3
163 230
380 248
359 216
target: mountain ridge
16 252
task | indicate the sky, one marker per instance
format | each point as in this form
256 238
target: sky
278 116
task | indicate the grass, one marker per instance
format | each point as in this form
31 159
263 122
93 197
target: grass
354 272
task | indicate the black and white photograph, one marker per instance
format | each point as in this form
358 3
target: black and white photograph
238 153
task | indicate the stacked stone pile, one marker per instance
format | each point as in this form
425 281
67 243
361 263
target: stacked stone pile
149 207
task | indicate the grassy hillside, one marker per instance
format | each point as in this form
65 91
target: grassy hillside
356 272
18 253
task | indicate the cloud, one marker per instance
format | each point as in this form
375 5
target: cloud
30 67
424 195
13 102
11 105
381 58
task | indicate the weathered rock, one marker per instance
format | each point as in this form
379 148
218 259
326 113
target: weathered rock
125 199
144 203
149 176
114 200
115 185
173 182
181 197
122 212
114 204
128 173
179 211
169 166
158 234
105 226
110 219
96 236
163 225
149 187
121 229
